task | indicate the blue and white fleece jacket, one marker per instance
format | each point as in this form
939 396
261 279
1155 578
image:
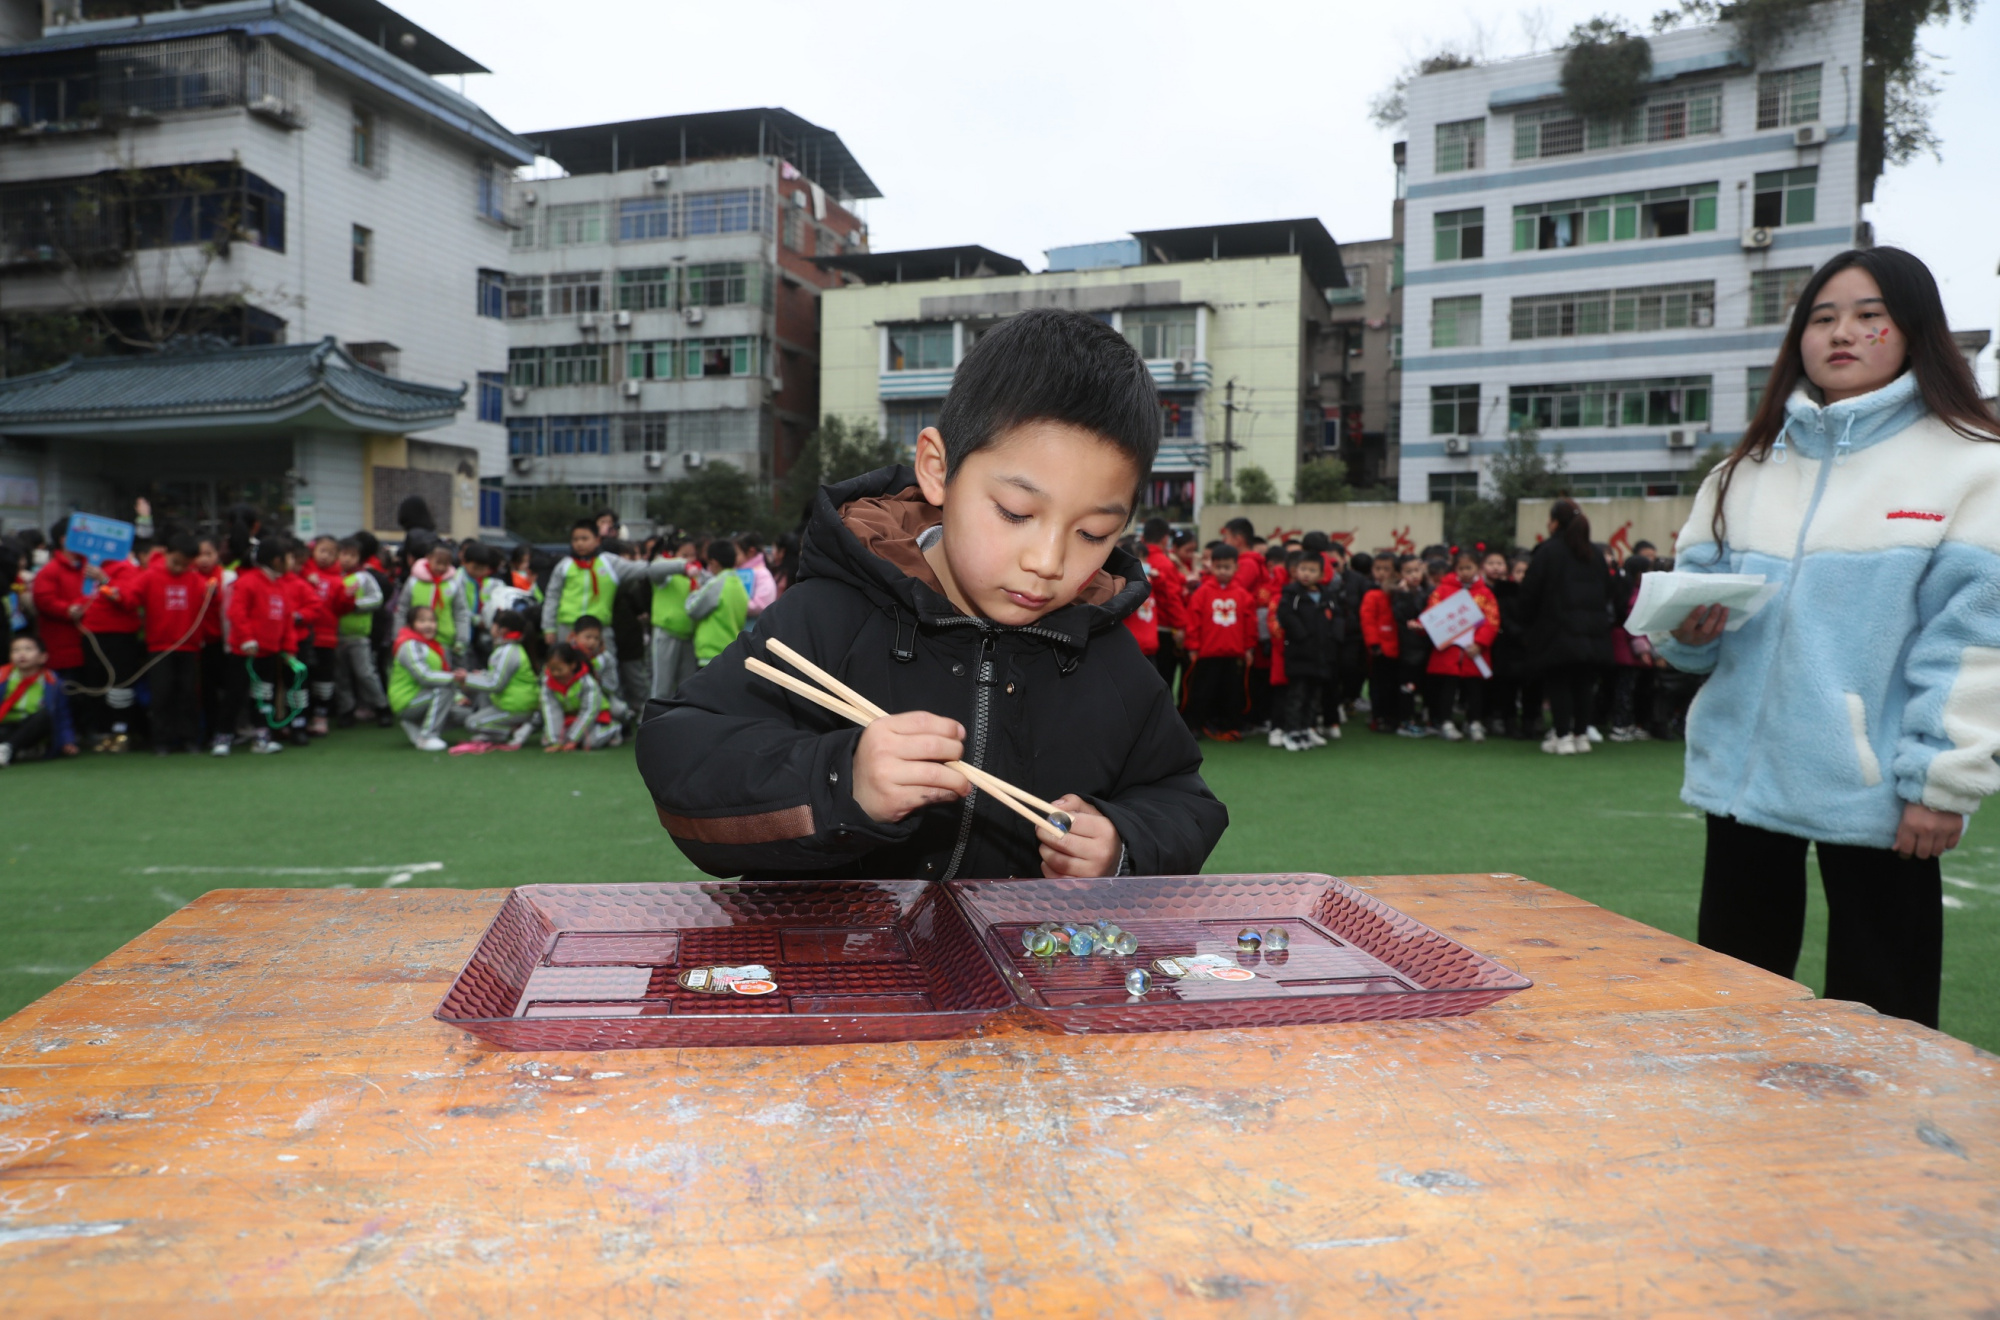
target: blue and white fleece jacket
1873 677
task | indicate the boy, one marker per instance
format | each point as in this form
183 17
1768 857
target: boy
357 690
1411 598
721 607
420 686
32 706
57 593
1222 631
1314 629
573 714
435 583
971 594
321 571
583 582
112 654
508 684
482 564
1169 598
673 631
1384 642
260 634
175 597
588 637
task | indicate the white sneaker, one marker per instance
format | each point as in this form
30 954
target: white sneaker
266 746
1621 734
1363 706
1312 737
1278 739
1332 734
431 745
6 754
1591 734
520 737
1582 744
221 747
1640 735
1550 743
1292 742
414 732
1476 731
1570 745
1449 732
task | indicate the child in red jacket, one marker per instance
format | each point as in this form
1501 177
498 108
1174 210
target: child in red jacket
1222 631
111 657
1455 670
322 572
262 637
174 596
1383 640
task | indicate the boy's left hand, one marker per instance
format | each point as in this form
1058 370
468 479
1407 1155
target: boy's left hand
1090 849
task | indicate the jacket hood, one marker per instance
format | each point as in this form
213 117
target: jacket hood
1818 429
863 532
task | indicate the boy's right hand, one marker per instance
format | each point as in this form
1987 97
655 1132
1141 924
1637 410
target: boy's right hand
898 765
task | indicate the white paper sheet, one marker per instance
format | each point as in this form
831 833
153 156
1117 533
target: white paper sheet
1666 599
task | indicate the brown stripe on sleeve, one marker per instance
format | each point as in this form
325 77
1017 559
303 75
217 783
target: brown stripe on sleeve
764 827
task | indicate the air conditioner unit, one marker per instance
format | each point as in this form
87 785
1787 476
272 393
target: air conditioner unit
622 319
693 315
530 197
1808 135
658 174
1457 446
517 394
1756 239
691 459
655 461
1184 363
631 389
588 323
523 464
1681 438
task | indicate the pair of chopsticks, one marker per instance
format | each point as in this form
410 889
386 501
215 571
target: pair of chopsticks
844 701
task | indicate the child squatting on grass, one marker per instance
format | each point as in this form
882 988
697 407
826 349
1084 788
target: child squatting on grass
980 595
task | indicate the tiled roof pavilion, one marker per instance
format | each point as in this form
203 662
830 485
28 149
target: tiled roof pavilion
228 391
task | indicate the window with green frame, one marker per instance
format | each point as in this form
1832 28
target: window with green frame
525 367
1666 401
721 284
1455 322
648 289
1772 293
1656 213
1787 97
1159 332
579 364
1613 311
925 346
1754 381
1664 116
651 359
1461 145
1785 197
1454 410
1461 235
738 355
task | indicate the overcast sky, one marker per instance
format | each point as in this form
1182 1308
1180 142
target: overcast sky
1035 123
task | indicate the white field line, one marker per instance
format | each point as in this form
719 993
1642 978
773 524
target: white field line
400 873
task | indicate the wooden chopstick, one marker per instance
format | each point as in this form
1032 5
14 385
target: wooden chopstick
1000 789
994 784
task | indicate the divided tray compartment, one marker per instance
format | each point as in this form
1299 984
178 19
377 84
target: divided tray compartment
1351 956
594 967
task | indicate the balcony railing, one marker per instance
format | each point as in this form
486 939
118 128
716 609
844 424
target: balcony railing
138 84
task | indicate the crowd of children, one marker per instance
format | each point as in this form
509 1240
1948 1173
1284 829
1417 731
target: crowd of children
1287 640
249 637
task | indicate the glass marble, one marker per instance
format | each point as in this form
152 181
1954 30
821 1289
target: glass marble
1044 945
1127 943
1248 940
1110 929
1081 944
1275 939
1138 981
1029 936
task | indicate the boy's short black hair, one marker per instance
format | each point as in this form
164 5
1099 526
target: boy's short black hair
39 644
1183 538
57 531
347 543
1242 527
1438 566
584 525
1362 563
415 610
1223 551
1156 529
1645 545
720 553
1051 365
510 621
183 544
586 622
569 655
272 550
371 545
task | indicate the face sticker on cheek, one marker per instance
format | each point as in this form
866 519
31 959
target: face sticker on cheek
1877 335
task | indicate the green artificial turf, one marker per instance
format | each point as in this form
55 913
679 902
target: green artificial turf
99 849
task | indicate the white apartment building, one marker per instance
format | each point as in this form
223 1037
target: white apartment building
1620 288
662 300
307 167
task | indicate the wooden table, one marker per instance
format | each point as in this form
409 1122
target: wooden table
249 1112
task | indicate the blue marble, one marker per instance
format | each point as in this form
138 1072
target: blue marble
1248 940
1082 943
1276 938
1138 981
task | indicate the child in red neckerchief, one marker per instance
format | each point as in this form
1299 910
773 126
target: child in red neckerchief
421 685
571 702
32 706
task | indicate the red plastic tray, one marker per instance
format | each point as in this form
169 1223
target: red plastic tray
594 967
1351 956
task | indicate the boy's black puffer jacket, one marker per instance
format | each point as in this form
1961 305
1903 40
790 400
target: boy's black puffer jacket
751 780
1313 633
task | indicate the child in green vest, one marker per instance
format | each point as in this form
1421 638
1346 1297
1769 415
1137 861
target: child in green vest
435 583
571 703
720 608
673 630
420 685
32 706
584 582
508 686
588 637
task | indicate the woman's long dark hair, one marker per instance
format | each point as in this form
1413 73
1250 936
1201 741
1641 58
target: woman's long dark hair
1573 527
1943 379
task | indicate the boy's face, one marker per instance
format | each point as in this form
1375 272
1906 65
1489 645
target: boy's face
1495 568
177 562
590 641
478 572
1307 571
559 670
425 625
325 553
1520 569
25 655
1385 573
583 542
350 561
1223 571
1413 574
686 550
606 525
1029 520
440 562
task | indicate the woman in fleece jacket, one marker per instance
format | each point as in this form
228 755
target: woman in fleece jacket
1860 709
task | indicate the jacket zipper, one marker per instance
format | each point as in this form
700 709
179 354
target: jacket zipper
983 676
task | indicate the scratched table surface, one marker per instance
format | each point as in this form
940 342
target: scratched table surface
249 1111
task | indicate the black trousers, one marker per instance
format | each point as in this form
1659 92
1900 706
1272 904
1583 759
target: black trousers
217 710
96 715
1448 689
176 684
1885 928
1570 689
1385 691
1167 659
1215 693
24 733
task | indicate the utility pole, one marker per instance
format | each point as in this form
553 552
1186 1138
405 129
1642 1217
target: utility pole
1229 445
